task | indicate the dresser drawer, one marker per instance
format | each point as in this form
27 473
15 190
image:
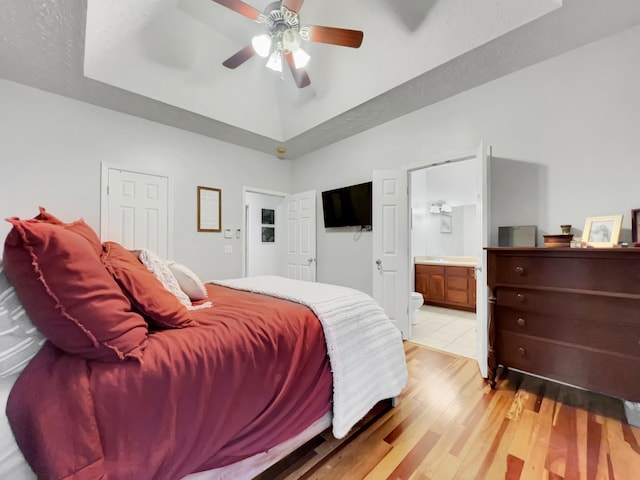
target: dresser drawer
615 375
601 335
618 274
607 308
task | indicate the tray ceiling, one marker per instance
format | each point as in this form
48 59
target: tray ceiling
162 59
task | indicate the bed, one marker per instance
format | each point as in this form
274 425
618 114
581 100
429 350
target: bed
212 386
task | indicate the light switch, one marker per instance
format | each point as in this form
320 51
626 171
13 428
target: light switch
238 233
228 249
227 233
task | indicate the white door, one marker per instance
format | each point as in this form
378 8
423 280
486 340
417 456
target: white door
135 210
482 293
300 256
391 246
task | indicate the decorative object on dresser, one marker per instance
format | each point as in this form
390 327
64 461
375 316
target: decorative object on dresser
558 241
635 223
571 315
602 231
517 236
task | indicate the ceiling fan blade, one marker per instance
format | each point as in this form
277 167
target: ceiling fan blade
293 5
300 75
234 61
240 7
336 36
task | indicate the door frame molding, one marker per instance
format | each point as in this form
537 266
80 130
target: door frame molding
243 237
104 201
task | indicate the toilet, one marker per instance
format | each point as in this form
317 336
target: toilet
416 303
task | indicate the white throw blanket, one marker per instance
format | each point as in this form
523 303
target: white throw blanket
365 348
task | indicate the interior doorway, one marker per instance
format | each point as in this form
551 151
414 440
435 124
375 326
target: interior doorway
280 234
264 233
445 245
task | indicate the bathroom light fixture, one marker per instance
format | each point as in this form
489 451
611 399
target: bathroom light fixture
440 206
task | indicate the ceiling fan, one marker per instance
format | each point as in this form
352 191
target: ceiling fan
284 36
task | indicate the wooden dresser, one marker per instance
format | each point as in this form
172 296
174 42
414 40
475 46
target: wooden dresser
571 315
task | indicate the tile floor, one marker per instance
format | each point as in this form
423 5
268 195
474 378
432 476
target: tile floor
446 329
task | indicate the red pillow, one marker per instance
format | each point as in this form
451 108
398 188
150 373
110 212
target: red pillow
145 291
69 295
78 227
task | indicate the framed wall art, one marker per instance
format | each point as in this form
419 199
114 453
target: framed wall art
635 224
268 235
268 216
209 209
446 223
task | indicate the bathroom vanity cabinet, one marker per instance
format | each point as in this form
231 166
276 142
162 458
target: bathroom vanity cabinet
446 285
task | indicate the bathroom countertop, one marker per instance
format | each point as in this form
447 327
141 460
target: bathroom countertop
446 260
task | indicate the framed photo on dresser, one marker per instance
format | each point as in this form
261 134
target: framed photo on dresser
602 231
635 224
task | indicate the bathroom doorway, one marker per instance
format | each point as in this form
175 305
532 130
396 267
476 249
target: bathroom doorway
445 245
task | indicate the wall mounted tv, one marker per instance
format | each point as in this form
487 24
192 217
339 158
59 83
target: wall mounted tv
347 206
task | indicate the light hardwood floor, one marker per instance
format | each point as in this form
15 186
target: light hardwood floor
451 425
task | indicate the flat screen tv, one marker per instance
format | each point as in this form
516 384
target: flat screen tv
347 206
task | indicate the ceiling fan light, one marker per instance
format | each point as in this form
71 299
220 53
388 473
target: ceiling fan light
291 40
275 62
300 58
262 45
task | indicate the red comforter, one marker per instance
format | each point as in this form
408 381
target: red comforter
253 373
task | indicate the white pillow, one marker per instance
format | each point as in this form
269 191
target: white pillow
19 339
188 281
163 273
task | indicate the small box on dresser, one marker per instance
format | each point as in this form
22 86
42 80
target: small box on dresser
568 314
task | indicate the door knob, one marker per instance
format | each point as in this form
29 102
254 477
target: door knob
379 264
310 260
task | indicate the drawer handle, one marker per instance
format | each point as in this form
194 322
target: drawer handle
522 351
520 297
520 270
521 322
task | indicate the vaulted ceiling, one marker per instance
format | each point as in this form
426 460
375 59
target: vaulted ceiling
162 59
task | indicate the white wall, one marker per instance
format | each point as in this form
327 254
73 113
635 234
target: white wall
565 145
52 147
264 258
471 245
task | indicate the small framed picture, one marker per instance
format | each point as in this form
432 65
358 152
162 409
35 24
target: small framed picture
268 216
268 234
209 209
602 231
446 222
635 225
